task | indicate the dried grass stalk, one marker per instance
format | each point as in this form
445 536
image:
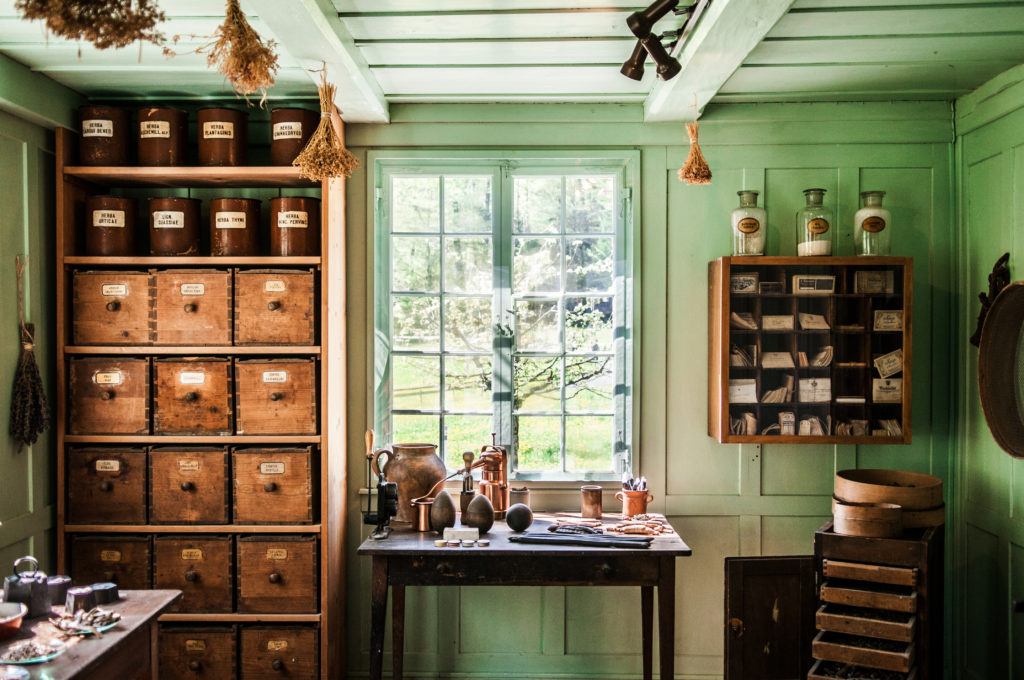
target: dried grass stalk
240 54
325 155
695 170
104 23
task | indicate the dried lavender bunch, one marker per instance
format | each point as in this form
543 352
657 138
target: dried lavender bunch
104 23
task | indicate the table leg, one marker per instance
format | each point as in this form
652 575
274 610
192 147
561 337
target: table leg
378 614
647 626
397 630
667 617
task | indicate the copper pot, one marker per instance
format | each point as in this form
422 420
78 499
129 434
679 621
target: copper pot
110 226
235 226
162 135
223 136
105 134
290 130
415 468
295 225
174 226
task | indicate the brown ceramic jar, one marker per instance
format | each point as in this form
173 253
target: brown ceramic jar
105 133
416 468
235 226
290 130
295 225
110 226
223 136
173 226
163 133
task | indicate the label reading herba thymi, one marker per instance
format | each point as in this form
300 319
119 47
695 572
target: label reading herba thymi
230 220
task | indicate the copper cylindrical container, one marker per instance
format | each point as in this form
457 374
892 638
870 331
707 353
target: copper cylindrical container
295 225
223 136
235 226
109 226
290 130
106 131
163 133
590 501
174 226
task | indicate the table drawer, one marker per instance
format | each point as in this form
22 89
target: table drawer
275 307
272 486
276 396
277 574
464 566
200 567
192 307
275 652
197 652
108 395
188 485
192 396
124 560
111 308
863 651
107 486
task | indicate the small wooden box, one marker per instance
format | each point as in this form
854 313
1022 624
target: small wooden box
200 567
192 307
276 396
188 485
272 486
195 652
277 574
274 652
861 651
275 307
192 396
124 560
111 308
109 395
106 486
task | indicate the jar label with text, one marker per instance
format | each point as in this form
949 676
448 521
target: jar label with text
748 225
110 555
193 289
114 289
230 220
817 226
154 129
277 553
191 554
873 224
168 219
192 377
277 645
190 465
271 468
274 286
97 128
288 130
111 219
218 129
108 466
107 377
195 645
275 376
293 219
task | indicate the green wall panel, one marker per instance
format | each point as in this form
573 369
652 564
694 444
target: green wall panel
817 465
790 535
986 627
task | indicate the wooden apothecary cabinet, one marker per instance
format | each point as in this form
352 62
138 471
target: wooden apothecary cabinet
198 565
270 652
112 308
192 306
116 558
272 486
188 485
190 652
107 485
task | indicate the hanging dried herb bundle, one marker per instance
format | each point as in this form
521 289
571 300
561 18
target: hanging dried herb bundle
325 155
239 53
30 413
104 23
695 170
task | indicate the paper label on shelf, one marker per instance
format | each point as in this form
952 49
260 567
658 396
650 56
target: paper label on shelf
192 554
195 645
814 390
888 319
817 226
188 465
110 555
277 553
271 468
108 466
107 377
229 220
293 219
874 224
192 377
288 130
277 645
743 391
748 225
168 219
108 219
274 286
155 129
887 390
114 289
218 129
275 376
889 364
193 289
97 127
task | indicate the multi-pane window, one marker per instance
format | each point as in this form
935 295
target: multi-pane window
502 306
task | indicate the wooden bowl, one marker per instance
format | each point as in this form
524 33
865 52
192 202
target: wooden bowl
11 614
910 490
878 520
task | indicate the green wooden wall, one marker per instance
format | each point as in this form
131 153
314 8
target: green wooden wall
723 499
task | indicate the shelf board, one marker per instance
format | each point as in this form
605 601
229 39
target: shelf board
129 439
191 176
202 260
192 349
192 528
808 439
240 618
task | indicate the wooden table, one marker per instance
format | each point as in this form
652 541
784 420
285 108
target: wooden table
125 652
409 558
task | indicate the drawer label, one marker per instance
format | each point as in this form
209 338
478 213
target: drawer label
193 289
168 219
195 645
218 129
275 376
292 219
108 219
97 127
230 220
192 377
188 465
288 130
154 129
107 377
277 553
110 555
191 554
271 468
114 289
277 645
274 286
108 466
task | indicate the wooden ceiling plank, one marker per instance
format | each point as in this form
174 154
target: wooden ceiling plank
513 80
410 6
899 21
726 33
520 25
947 48
313 35
563 51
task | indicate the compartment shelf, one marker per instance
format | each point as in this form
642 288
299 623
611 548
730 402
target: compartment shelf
192 439
190 176
240 618
189 261
192 528
192 350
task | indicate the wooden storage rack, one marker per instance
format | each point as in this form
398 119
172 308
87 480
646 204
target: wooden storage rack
74 184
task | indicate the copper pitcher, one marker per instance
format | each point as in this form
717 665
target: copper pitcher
416 468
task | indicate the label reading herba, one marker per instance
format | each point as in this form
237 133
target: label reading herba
817 226
114 289
191 554
188 465
277 553
277 645
289 130
748 225
274 286
275 376
107 377
271 468
293 219
230 220
195 645
217 129
110 555
168 219
193 289
873 224
108 466
97 128
108 219
155 129
192 377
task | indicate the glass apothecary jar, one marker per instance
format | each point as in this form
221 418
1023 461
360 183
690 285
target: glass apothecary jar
871 225
748 225
813 225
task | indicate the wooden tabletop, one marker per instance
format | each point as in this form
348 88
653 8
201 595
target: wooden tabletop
137 608
405 541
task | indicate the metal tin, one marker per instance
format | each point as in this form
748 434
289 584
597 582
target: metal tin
468 544
105 135
440 543
223 136
235 226
110 226
58 586
590 501
295 225
483 543
290 130
174 226
162 136
105 593
81 597
454 544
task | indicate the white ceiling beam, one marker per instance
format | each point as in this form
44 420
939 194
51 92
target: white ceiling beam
311 32
726 33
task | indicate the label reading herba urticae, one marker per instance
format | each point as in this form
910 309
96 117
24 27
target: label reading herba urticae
108 219
277 554
191 554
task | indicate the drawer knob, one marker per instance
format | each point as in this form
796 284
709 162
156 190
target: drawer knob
187 486
108 576
277 665
607 570
191 396
194 665
276 396
191 576
191 307
113 306
270 486
105 485
273 305
444 567
107 395
275 577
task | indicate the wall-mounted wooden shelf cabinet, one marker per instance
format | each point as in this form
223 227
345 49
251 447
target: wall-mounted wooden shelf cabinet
810 350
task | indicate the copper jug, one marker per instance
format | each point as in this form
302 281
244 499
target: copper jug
416 468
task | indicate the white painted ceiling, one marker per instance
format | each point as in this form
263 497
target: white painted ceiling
381 52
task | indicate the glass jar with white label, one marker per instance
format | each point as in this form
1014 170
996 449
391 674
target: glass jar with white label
871 225
748 225
814 225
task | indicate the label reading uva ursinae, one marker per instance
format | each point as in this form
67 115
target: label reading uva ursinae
108 218
154 129
293 219
748 225
230 220
817 226
288 130
218 129
873 224
114 289
193 289
97 128
168 219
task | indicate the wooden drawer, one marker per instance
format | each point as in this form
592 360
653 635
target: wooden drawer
188 485
108 395
106 486
863 651
876 573
833 670
197 652
275 307
876 623
192 396
200 567
272 486
111 308
275 652
872 596
276 396
192 307
124 560
277 574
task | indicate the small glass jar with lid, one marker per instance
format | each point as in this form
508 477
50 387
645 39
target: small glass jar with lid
748 225
870 225
813 225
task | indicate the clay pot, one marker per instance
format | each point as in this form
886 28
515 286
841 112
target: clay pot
223 135
634 502
105 134
442 512
415 468
479 514
290 130
173 226
110 226
519 517
162 134
295 225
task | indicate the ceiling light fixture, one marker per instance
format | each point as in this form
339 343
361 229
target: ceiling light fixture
641 23
634 66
